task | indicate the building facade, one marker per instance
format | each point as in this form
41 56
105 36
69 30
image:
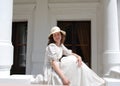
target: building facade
41 15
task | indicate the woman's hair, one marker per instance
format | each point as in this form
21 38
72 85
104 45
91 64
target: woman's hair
51 40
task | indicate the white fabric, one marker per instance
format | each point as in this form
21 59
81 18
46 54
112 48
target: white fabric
78 76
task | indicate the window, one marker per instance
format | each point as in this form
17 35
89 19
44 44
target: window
19 40
78 38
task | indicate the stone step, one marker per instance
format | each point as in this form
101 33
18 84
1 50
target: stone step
16 79
115 72
25 80
112 82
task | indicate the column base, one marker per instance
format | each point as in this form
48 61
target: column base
6 58
112 82
110 62
4 71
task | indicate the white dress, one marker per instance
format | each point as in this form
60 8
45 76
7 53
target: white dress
78 76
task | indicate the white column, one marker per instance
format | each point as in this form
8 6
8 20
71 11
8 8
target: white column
40 36
111 55
6 48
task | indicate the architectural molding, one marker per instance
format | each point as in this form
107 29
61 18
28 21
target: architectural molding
23 8
71 1
74 5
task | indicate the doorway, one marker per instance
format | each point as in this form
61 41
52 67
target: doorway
19 41
78 38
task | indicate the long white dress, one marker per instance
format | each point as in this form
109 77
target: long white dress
78 76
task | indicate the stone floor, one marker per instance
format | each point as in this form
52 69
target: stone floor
25 80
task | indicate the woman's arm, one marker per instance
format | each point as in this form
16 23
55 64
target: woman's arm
79 59
57 69
67 51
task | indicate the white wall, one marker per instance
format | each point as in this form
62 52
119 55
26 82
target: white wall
119 16
40 36
100 35
41 16
25 12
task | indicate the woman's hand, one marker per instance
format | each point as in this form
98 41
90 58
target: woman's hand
56 67
65 81
79 61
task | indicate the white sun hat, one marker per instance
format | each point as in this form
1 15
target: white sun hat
56 29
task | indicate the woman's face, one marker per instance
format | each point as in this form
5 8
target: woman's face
57 37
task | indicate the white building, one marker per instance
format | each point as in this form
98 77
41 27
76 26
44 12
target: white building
41 15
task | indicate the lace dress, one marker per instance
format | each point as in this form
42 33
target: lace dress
78 76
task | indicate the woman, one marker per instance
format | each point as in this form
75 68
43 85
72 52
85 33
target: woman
63 67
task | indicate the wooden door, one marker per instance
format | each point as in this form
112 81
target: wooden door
19 41
78 38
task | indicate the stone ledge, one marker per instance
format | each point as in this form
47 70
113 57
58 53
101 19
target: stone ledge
112 82
16 79
25 85
25 80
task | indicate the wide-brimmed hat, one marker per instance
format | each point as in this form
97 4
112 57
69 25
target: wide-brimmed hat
56 29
